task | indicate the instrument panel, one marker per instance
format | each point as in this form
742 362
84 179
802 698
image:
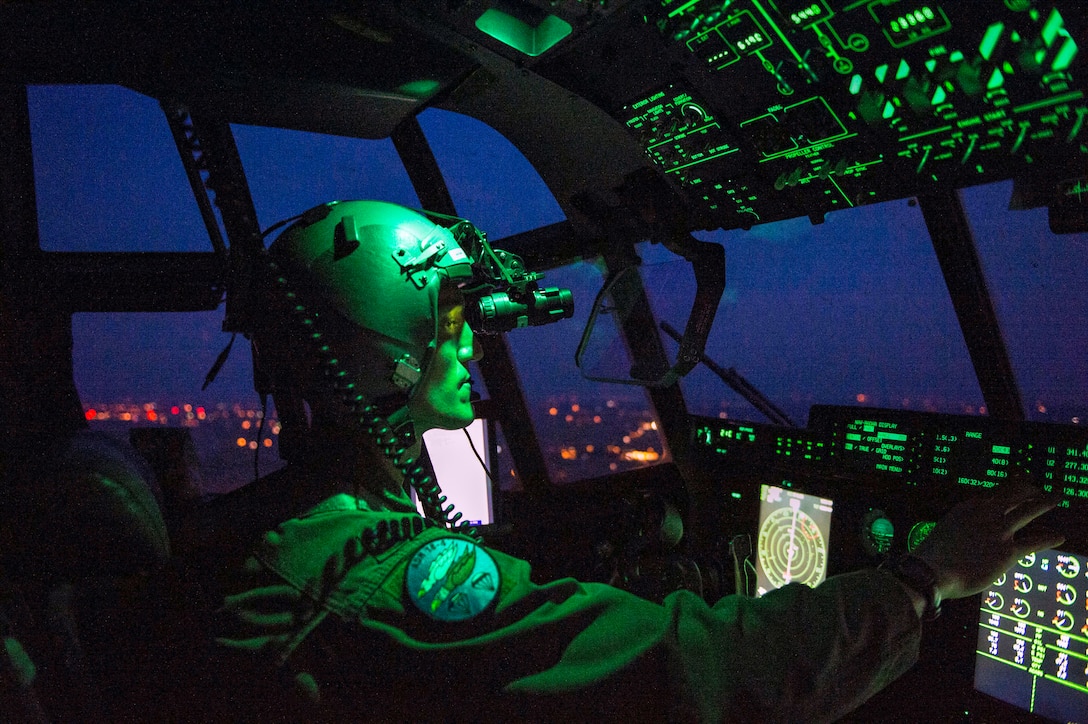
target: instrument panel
860 483
931 459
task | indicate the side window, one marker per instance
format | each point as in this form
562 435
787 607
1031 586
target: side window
853 311
587 429
146 370
107 173
109 178
1036 280
292 171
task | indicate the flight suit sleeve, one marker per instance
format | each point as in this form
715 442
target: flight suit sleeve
565 649
796 654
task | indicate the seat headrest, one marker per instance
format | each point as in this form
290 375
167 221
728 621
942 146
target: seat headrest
93 509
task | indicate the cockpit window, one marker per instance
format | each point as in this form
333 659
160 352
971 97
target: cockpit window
107 173
291 171
489 180
586 429
1036 279
852 311
138 370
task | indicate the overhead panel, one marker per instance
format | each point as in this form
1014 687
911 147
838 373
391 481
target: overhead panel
785 108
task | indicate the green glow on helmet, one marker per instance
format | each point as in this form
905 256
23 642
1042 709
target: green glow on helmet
520 35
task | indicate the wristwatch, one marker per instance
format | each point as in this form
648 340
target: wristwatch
917 575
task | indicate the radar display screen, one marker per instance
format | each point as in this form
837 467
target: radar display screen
793 536
1033 636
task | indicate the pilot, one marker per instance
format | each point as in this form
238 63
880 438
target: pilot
355 607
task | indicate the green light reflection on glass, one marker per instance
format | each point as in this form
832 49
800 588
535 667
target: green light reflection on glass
419 88
519 35
919 533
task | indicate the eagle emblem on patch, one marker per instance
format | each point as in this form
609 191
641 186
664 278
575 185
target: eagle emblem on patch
452 579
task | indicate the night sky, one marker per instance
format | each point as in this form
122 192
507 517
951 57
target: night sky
852 310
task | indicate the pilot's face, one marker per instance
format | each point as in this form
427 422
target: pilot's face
441 399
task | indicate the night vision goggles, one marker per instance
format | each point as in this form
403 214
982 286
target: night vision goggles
500 294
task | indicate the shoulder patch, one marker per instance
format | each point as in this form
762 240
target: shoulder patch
452 579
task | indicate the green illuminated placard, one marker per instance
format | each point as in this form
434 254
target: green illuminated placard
795 128
970 96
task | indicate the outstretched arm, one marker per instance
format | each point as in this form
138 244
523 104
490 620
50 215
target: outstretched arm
981 538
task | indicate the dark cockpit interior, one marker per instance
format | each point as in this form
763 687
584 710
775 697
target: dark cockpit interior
761 207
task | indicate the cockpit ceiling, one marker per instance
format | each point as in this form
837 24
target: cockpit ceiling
737 112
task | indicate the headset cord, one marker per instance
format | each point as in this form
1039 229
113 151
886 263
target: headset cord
393 445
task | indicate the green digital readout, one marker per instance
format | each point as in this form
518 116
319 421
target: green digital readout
882 443
905 23
1065 471
804 448
952 452
971 458
724 438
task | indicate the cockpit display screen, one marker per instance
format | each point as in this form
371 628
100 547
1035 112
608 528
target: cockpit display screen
883 446
464 479
949 452
1033 636
793 537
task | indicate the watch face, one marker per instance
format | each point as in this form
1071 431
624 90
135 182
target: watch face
452 579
